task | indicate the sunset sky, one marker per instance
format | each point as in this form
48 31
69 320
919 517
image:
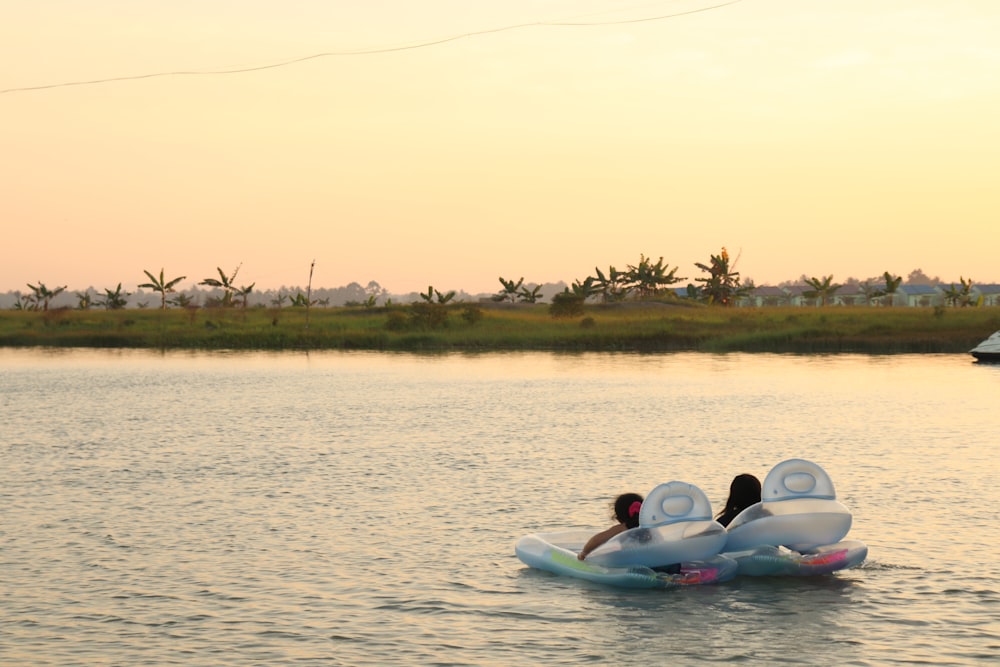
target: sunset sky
449 143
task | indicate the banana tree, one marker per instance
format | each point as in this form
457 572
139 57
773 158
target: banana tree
226 283
510 290
161 285
115 300
584 289
529 295
42 295
84 300
959 296
891 285
723 283
611 287
648 278
433 293
822 289
243 293
870 291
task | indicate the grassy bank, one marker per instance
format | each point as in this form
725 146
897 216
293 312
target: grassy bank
625 327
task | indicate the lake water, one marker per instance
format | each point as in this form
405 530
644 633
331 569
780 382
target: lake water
361 508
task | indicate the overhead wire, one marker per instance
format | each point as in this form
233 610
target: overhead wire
362 52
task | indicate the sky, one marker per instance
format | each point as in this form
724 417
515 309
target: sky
452 143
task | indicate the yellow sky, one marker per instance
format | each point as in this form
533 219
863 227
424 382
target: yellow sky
810 137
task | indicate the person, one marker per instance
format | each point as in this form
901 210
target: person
744 491
625 510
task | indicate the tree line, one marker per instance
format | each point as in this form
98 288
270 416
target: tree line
719 284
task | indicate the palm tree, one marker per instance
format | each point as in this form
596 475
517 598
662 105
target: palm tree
226 283
161 285
822 289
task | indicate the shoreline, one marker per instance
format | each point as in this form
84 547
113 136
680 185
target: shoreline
622 327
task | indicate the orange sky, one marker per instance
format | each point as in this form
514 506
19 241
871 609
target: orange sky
809 137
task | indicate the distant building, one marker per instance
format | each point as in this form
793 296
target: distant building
919 295
990 294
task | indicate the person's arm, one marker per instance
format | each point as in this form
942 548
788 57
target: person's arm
600 538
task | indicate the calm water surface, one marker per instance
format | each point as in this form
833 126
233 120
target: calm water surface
361 509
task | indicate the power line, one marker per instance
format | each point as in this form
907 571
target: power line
360 52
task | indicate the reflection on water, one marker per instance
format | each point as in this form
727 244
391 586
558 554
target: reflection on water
361 508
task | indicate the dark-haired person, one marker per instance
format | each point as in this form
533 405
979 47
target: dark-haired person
625 510
744 491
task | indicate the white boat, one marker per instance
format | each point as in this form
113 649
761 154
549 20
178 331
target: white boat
989 349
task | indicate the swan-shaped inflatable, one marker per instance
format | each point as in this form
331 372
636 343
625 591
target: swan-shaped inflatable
677 543
797 528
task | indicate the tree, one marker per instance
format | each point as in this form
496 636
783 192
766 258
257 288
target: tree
226 283
42 295
918 277
648 279
891 285
822 289
611 287
510 290
84 300
161 285
959 296
243 293
723 283
441 298
529 296
182 300
115 300
583 289
567 304
870 291
300 300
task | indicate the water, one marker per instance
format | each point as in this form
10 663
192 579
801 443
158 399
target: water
361 508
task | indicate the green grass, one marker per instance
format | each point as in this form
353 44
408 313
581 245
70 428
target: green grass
644 327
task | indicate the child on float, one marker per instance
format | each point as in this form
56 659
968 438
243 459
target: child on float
744 491
625 510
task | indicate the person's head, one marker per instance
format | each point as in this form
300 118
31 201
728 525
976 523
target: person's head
626 509
744 491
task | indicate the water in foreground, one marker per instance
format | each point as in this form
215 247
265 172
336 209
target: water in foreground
361 509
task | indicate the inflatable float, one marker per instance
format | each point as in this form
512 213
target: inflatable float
677 543
797 528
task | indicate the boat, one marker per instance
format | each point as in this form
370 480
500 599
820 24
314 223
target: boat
989 349
798 527
677 543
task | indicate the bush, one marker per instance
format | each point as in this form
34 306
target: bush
566 304
472 314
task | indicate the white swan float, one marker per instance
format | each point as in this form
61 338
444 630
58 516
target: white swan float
797 528
677 543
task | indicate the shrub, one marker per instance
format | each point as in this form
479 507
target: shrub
472 314
566 304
